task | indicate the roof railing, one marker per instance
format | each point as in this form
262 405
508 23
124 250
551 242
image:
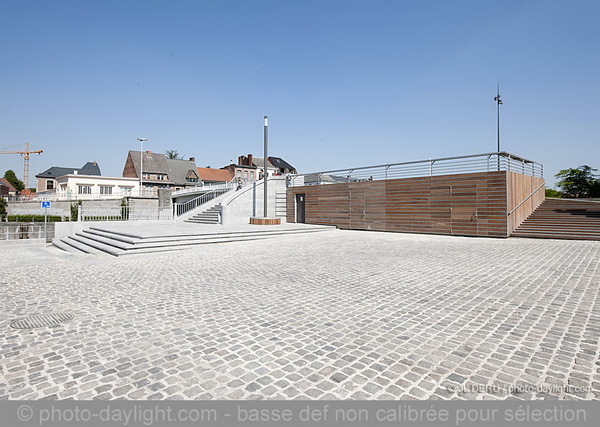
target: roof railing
475 163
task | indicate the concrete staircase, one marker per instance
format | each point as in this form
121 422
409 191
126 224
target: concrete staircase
99 240
563 219
209 216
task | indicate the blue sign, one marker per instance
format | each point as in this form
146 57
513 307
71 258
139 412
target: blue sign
45 205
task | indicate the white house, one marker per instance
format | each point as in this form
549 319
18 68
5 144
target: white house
75 187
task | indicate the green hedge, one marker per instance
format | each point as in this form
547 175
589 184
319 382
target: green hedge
34 218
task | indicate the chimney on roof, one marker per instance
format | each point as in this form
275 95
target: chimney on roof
249 159
240 160
148 152
192 159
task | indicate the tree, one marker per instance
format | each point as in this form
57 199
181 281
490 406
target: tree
551 192
3 205
576 182
11 177
595 189
75 210
173 154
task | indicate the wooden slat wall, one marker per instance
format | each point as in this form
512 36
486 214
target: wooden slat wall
474 204
519 188
462 204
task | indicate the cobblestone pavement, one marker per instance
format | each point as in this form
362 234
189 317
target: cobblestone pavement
331 315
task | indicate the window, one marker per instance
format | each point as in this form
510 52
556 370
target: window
50 184
155 176
105 190
84 189
124 191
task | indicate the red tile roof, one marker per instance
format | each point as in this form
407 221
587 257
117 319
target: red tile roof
4 182
210 174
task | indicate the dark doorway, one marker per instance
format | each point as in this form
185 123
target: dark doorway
300 206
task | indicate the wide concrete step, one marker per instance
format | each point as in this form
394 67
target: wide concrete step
209 216
101 241
201 221
551 235
120 242
66 247
562 224
562 219
206 217
584 224
556 213
578 231
190 232
106 247
83 246
564 216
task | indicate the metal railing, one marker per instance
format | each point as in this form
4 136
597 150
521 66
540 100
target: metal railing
487 162
203 187
527 198
124 213
147 193
182 208
22 231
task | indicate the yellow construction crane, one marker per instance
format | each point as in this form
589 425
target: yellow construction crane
25 155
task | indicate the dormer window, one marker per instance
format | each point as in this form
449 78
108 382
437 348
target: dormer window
191 176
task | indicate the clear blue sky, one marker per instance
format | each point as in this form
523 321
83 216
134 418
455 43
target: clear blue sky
344 83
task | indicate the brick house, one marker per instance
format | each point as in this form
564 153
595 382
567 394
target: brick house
6 188
160 172
250 168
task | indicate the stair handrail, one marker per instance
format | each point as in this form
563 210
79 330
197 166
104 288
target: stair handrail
180 209
527 198
203 187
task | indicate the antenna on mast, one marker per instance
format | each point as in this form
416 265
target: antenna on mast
499 103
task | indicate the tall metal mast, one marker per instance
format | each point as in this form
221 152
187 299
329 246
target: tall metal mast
266 149
499 103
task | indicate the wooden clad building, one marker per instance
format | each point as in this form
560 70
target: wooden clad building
488 204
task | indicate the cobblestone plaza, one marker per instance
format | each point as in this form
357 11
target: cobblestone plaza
329 315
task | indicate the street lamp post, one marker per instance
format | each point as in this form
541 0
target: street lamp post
141 162
265 220
265 173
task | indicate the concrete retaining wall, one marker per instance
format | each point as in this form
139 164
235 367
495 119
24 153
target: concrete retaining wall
59 208
247 202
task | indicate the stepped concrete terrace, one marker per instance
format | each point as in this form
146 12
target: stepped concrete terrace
563 219
130 238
